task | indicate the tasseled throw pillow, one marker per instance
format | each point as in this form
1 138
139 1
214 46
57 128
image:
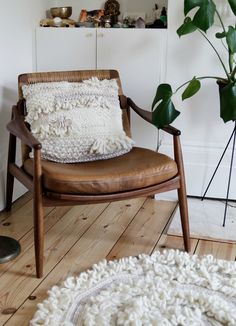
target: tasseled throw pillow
77 122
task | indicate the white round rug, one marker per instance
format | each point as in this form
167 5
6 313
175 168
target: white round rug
169 288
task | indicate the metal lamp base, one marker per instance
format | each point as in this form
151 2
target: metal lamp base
9 249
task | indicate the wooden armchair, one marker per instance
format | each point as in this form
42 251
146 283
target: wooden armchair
141 172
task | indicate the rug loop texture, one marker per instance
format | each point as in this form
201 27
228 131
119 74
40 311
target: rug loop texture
169 288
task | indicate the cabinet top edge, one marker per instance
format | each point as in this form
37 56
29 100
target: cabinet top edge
160 30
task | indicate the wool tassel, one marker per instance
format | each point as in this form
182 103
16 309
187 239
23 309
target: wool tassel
107 145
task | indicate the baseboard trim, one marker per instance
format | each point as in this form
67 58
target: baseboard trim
199 164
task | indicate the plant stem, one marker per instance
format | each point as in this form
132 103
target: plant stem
228 49
222 63
198 78
223 44
221 21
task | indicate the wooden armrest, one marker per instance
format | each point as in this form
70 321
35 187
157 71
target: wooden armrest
172 130
18 128
147 115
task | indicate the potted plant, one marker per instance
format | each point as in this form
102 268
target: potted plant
205 12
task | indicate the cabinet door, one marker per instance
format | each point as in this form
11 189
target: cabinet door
65 49
140 57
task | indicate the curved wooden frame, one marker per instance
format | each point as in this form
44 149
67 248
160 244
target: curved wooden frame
42 197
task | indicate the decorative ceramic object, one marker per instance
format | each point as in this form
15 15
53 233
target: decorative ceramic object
112 9
140 23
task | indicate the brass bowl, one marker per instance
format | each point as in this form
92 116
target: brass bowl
62 12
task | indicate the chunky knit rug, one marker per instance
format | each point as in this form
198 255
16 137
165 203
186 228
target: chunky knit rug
170 288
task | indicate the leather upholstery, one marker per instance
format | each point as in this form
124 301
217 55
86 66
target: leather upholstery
137 169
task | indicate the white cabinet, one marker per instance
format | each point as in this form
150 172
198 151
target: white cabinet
138 54
65 49
140 57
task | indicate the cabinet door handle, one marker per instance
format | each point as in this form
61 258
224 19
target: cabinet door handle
100 35
89 34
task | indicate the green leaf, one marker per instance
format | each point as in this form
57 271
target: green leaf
164 114
232 4
164 92
228 102
231 39
220 35
204 17
187 27
163 108
192 88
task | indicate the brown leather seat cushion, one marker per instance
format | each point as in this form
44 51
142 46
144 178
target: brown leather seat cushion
137 169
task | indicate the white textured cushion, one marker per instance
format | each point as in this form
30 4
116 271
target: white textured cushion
77 122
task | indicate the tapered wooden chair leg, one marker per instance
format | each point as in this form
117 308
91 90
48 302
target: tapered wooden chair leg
10 177
183 204
38 237
38 214
183 208
9 191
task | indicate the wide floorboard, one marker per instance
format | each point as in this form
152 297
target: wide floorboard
76 238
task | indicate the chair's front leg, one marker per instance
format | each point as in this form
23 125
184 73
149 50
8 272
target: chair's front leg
10 177
38 213
183 205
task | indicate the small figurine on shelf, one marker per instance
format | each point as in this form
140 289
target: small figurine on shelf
163 16
125 23
112 9
157 12
106 21
140 23
160 22
57 22
92 18
83 16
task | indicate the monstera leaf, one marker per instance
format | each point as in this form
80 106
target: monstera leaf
192 88
231 39
232 4
204 17
187 27
202 14
164 111
228 102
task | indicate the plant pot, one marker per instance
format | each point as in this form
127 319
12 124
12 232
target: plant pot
227 92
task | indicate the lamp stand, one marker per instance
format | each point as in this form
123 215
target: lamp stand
233 136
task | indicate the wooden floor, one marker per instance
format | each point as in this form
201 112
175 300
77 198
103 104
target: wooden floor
77 237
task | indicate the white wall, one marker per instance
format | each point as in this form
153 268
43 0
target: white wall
125 5
17 55
17 27
204 134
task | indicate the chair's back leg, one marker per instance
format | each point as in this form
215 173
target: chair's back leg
183 205
10 177
38 215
